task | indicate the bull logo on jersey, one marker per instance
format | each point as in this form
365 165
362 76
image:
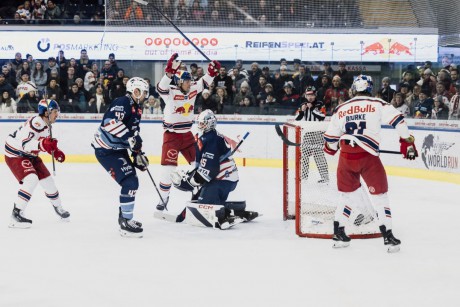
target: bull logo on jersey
434 156
184 110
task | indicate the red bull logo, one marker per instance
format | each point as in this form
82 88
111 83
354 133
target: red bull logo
185 110
382 47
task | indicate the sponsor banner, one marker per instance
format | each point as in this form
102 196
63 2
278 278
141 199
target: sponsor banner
224 46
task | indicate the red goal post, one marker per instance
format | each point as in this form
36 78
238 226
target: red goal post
310 194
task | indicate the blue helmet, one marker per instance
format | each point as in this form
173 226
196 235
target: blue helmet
47 105
182 76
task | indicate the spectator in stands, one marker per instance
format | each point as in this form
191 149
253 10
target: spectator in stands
99 101
76 99
280 79
107 72
181 13
38 12
400 104
412 99
425 105
199 73
118 87
193 71
24 83
24 12
115 12
53 12
225 81
260 89
221 99
61 62
386 92
7 103
10 75
52 65
290 99
428 81
198 12
244 92
17 20
91 77
345 75
39 77
73 63
254 75
324 83
134 12
5 86
237 79
302 79
113 62
152 87
31 61
83 64
266 74
16 63
455 103
68 81
204 102
25 68
53 91
296 67
442 94
454 79
408 77
81 87
334 94
152 106
28 103
327 69
440 110
444 78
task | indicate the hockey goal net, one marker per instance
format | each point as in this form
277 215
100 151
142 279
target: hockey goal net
310 194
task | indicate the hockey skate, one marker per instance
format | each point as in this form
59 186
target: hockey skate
394 245
229 222
63 214
18 220
247 216
163 205
340 238
130 228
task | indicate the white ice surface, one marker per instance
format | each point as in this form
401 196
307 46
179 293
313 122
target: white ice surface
86 263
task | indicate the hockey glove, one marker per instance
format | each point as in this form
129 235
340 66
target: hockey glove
407 148
135 142
213 68
184 181
59 155
140 160
173 65
48 144
327 149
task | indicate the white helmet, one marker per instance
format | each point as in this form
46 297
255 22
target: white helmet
137 83
363 83
206 121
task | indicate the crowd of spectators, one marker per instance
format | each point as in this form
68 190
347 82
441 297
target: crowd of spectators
257 13
81 86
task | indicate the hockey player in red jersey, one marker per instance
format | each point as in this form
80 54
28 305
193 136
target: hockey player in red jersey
355 128
178 118
21 155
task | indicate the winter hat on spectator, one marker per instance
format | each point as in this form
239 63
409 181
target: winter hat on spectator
206 91
283 67
245 84
269 85
428 72
288 84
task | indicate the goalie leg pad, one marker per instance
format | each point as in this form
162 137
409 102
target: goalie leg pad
203 215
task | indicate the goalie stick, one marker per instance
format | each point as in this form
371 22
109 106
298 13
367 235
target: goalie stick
290 143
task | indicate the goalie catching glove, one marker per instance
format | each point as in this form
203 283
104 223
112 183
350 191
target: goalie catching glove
173 65
185 181
140 160
407 148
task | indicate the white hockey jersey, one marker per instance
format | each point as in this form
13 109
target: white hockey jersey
24 142
359 120
179 107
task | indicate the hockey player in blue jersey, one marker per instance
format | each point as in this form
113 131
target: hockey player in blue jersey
215 174
118 132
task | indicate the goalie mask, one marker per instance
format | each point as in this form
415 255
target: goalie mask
206 121
137 83
47 105
363 84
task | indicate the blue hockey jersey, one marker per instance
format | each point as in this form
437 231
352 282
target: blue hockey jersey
120 122
213 158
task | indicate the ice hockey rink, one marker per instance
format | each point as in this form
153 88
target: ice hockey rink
85 262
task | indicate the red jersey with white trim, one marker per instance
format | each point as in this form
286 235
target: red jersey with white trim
179 107
359 121
24 142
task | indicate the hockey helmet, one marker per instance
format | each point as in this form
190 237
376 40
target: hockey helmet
137 83
182 76
363 83
206 121
47 105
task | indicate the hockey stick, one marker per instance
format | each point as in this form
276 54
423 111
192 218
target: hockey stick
153 181
143 2
51 135
283 137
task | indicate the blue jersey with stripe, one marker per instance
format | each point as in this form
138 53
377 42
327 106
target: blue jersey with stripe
120 122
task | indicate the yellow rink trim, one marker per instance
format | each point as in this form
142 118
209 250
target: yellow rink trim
277 163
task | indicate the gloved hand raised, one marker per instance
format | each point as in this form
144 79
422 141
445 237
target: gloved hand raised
173 65
213 68
407 148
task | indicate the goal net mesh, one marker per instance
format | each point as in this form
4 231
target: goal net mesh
310 186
